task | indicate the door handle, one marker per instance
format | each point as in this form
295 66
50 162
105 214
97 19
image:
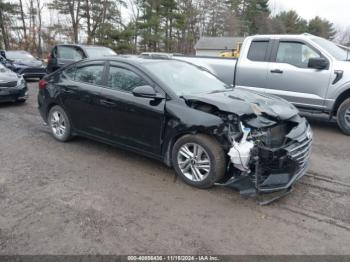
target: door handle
107 103
276 71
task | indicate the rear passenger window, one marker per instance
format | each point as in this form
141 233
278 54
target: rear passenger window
124 80
91 74
257 51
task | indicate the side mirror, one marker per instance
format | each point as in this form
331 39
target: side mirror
318 63
147 92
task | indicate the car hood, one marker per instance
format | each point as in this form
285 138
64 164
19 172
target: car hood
243 102
29 63
8 76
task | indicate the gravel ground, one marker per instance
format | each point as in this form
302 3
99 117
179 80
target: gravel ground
84 197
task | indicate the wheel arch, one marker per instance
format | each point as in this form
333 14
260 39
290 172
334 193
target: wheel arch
49 107
341 98
171 142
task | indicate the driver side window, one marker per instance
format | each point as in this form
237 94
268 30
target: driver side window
123 79
295 53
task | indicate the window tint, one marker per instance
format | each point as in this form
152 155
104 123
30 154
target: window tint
91 74
98 51
257 51
123 79
297 54
71 53
70 72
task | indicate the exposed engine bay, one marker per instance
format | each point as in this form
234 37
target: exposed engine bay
266 153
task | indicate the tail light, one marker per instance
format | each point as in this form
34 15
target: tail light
42 84
49 58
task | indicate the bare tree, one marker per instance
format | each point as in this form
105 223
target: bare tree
32 24
344 37
39 8
22 17
72 8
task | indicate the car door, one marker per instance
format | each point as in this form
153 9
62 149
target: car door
68 54
252 70
290 77
79 87
134 122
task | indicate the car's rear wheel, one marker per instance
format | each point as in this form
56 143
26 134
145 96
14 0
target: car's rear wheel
343 117
199 160
59 124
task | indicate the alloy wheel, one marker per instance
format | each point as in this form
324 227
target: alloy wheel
58 124
194 162
347 116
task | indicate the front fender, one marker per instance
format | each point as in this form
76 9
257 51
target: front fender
181 119
336 91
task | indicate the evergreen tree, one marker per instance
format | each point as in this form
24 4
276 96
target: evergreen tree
96 14
292 23
149 24
321 27
252 14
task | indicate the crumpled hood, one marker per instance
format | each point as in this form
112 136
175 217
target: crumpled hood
29 63
243 102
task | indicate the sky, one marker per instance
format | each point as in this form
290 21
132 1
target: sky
336 11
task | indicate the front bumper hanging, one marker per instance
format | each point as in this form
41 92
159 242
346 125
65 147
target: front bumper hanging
270 184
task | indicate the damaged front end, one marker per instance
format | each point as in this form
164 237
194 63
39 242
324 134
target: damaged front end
268 143
269 159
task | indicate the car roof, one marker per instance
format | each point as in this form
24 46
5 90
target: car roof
83 46
136 60
278 36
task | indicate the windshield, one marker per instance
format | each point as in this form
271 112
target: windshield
332 49
95 52
19 55
184 78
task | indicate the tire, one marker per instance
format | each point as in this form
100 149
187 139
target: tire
343 117
187 166
59 124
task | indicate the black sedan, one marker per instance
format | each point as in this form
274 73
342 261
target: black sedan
23 63
13 87
182 115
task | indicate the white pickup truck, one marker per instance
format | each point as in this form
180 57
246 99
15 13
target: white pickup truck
308 71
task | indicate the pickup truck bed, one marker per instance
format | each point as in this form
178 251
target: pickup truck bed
223 68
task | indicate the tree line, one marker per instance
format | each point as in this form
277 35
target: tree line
132 26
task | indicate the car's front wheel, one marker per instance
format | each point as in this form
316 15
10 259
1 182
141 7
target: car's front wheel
59 124
199 160
343 117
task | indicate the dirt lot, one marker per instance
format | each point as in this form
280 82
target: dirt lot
86 198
